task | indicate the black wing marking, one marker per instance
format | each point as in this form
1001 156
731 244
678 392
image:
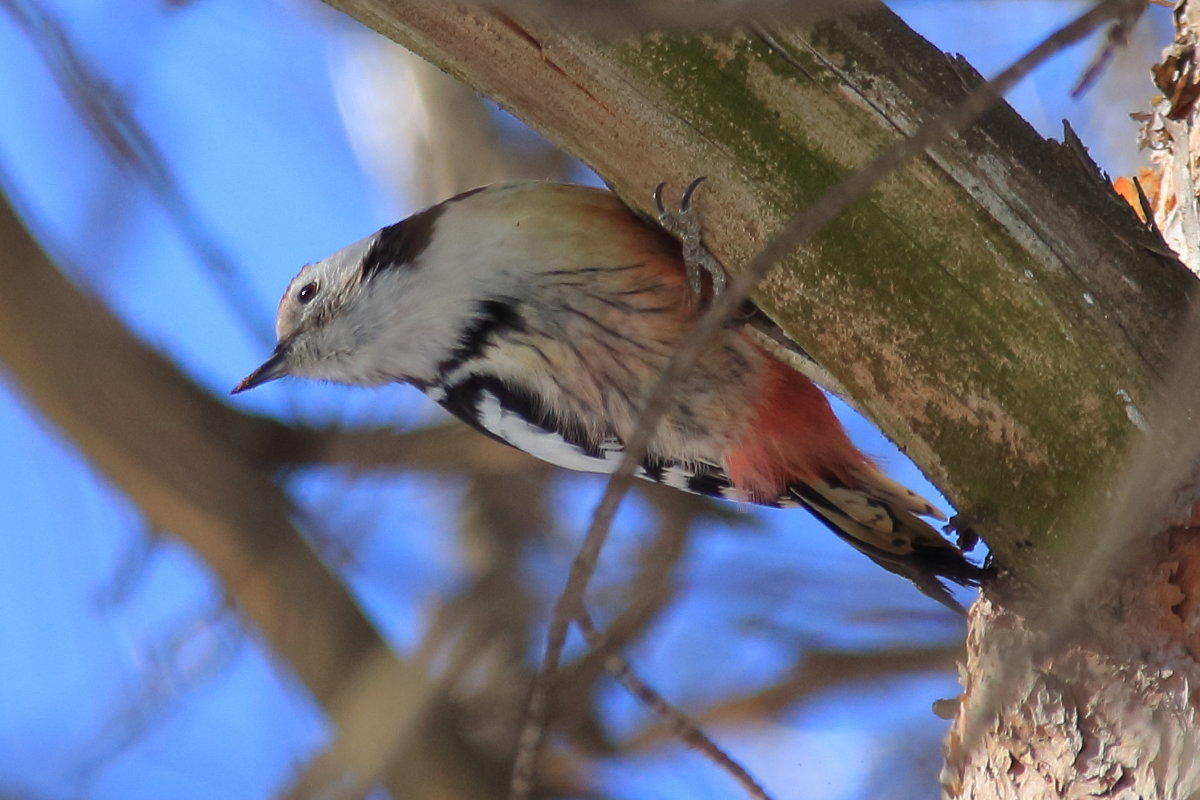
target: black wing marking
497 315
926 567
517 418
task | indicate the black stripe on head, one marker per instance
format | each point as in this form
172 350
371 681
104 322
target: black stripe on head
401 244
491 317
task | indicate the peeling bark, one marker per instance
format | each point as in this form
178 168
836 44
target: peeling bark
1110 712
1172 139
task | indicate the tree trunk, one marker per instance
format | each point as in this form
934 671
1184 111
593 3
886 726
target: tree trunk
1104 706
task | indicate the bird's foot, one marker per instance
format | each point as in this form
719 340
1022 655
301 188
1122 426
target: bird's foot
684 225
963 532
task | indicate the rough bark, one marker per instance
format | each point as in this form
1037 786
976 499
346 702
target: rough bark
1107 711
975 284
992 306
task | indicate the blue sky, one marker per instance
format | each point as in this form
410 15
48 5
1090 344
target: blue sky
122 675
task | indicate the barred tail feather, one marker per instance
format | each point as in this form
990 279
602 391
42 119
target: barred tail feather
879 486
884 526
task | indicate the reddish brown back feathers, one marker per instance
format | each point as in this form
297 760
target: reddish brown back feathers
792 437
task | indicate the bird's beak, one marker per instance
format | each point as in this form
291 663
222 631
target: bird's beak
273 368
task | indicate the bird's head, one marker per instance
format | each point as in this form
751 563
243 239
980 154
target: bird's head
411 301
355 317
313 329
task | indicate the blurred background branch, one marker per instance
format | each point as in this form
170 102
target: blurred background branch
112 123
167 445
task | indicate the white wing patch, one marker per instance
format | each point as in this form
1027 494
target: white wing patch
542 443
490 406
677 477
552 447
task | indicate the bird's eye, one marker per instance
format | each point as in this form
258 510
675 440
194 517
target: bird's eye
307 292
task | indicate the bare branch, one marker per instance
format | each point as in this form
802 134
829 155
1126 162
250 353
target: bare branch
386 722
1155 487
1123 607
651 587
116 128
819 671
444 449
681 726
997 231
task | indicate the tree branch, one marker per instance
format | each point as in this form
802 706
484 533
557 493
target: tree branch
975 283
444 449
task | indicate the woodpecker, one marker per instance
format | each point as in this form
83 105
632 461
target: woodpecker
541 314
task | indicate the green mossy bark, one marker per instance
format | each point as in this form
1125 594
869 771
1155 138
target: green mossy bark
950 289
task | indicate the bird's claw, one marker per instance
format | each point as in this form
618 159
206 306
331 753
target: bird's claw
684 225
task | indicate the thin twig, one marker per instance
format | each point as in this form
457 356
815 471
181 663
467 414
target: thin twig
651 588
819 671
799 229
680 724
1118 37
